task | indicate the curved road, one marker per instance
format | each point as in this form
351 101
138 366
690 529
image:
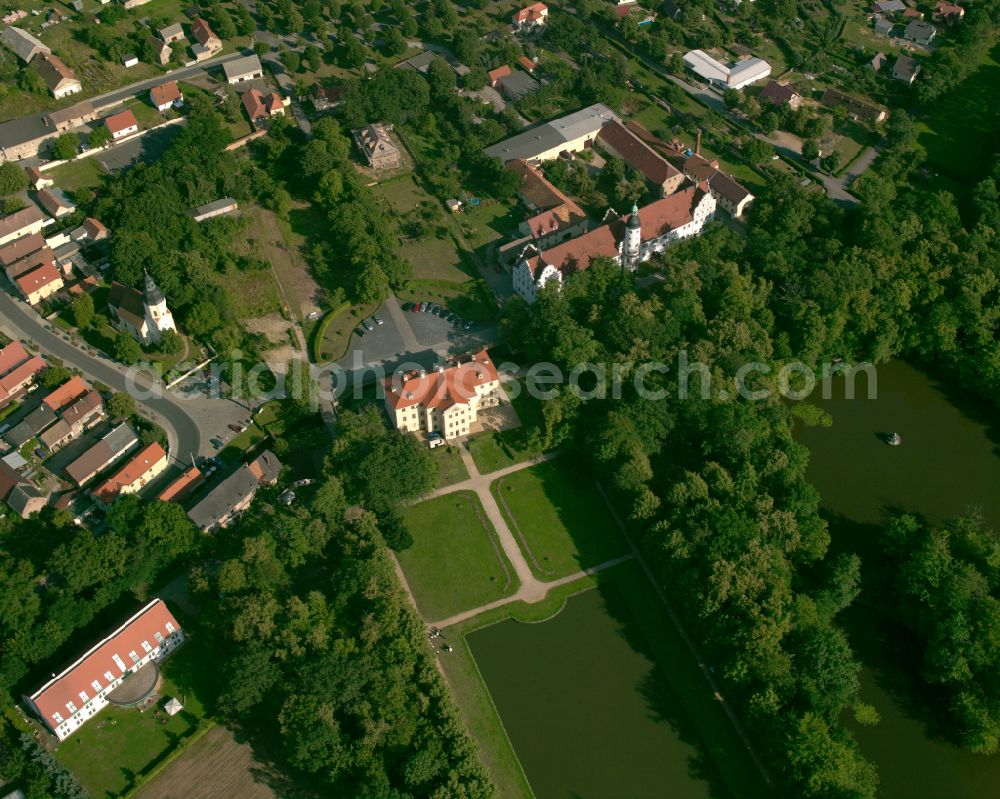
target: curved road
183 433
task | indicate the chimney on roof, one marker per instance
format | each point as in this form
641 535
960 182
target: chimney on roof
697 146
423 373
438 367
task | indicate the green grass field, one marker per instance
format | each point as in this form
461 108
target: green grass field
87 173
561 522
960 131
455 562
450 467
494 450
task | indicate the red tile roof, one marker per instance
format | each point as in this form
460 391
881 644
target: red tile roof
662 216
123 120
12 355
534 188
533 12
95 230
14 380
500 72
637 154
72 389
45 275
576 254
527 63
260 105
165 93
52 203
179 487
202 31
136 467
454 385
30 262
565 215
777 93
79 677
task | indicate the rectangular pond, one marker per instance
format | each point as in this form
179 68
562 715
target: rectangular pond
588 709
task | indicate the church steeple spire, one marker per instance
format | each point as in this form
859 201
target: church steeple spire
153 294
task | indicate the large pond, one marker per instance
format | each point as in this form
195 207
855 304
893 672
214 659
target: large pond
948 464
589 712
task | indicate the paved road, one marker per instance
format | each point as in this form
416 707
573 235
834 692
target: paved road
183 433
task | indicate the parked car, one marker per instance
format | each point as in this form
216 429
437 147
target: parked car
438 311
378 320
407 306
435 442
312 315
423 307
235 428
367 324
454 318
217 443
360 331
467 324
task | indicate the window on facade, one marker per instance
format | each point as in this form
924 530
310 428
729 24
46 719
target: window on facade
146 646
109 676
170 628
71 708
58 717
134 656
159 637
97 686
83 697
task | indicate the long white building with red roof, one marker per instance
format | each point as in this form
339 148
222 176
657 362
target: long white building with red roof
626 240
445 400
72 697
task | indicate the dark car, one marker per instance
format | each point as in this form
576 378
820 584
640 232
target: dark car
454 318
438 311
360 331
407 306
235 428
467 324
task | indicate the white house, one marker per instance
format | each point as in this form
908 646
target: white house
121 124
248 68
727 76
75 695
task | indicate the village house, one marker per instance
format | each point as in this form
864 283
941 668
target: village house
122 124
180 487
77 693
857 109
22 223
883 25
18 370
161 51
920 32
242 69
24 45
145 316
67 393
569 134
626 240
781 94
888 6
948 12
618 140
60 79
171 33
55 202
26 500
207 44
165 96
37 179
72 116
260 106
102 454
445 400
421 62
377 146
11 254
531 17
234 494
137 472
514 84
906 69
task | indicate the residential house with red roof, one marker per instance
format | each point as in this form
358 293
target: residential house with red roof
60 79
71 390
166 95
17 370
206 43
179 488
55 202
531 17
263 106
627 240
121 124
40 283
137 472
445 400
77 693
37 178
948 12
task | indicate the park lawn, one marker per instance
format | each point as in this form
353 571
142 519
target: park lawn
959 131
497 449
455 562
147 116
252 293
118 744
470 300
451 469
435 258
242 443
488 222
561 522
402 193
86 173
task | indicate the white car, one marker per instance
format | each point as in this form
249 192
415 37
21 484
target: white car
435 442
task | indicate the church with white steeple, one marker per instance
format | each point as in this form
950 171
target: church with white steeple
145 314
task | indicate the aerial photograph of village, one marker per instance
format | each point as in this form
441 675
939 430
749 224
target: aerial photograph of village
494 399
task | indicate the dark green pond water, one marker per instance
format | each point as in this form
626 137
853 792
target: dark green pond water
589 712
948 464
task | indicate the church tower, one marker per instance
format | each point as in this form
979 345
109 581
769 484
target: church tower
158 316
633 240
